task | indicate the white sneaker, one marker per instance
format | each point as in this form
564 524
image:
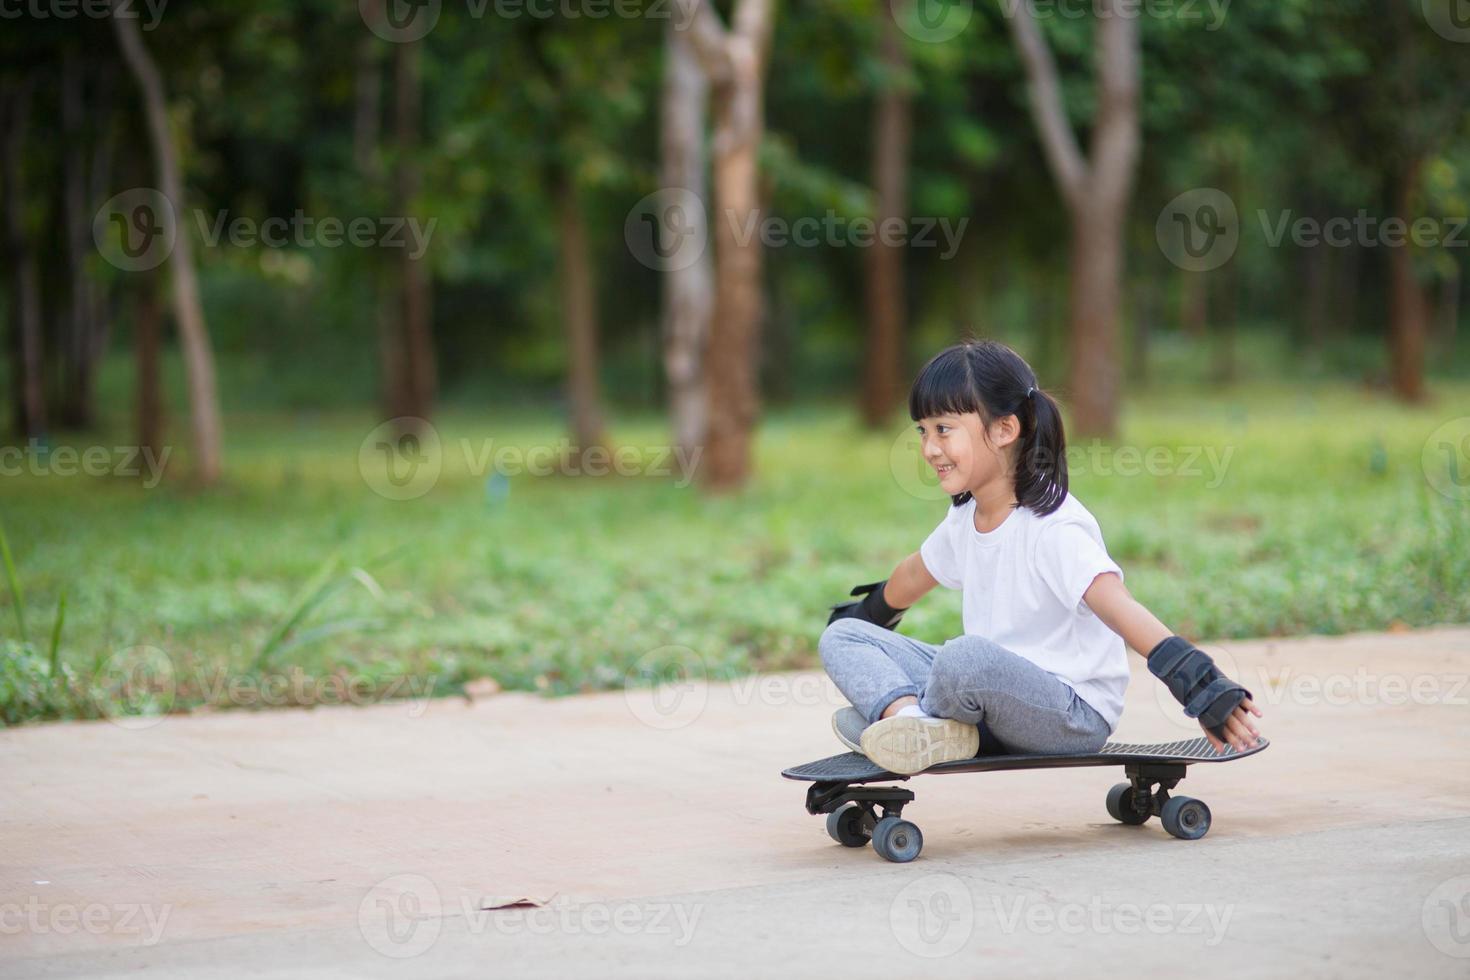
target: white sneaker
905 745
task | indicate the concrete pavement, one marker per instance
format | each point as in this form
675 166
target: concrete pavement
649 834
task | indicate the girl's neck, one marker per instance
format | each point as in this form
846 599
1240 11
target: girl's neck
993 504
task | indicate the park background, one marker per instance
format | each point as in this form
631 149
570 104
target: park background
1181 213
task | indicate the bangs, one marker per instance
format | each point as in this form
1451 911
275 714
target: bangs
945 386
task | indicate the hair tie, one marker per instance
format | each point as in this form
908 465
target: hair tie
1030 391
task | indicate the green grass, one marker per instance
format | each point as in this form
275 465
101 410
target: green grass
1323 522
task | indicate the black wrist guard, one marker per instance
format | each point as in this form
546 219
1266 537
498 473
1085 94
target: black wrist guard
1194 680
871 607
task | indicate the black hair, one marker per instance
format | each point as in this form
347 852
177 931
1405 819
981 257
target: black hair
990 379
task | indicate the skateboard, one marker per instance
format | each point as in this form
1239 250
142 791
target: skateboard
840 788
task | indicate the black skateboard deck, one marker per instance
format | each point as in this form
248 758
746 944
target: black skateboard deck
839 789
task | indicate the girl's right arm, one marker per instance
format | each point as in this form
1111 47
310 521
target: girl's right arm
909 583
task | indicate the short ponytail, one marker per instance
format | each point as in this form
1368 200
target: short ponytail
1041 464
990 379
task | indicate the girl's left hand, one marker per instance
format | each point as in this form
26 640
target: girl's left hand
1240 733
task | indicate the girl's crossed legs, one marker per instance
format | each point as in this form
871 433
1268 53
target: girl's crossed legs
968 679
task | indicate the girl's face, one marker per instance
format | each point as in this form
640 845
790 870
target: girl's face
964 453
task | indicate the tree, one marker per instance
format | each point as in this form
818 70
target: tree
27 379
204 415
416 381
1096 190
687 298
734 63
883 368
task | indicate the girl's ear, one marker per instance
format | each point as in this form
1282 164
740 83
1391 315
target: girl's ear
1006 430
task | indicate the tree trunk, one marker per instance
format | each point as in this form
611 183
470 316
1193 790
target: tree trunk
147 318
735 61
193 333
26 369
1097 189
1093 298
1408 307
734 347
419 376
883 374
688 296
579 315
80 347
1315 297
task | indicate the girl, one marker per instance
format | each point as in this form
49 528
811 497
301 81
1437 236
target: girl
1041 667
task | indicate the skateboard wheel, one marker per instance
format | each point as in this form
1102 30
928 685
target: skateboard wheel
897 840
845 826
1185 817
1120 805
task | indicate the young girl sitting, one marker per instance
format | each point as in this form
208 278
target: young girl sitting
1041 666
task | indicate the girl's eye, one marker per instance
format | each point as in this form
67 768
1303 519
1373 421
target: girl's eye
941 429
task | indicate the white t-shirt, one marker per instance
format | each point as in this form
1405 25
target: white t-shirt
1022 586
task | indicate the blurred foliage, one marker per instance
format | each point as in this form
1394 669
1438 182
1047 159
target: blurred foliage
1282 509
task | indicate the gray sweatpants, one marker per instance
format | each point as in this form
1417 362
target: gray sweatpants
969 679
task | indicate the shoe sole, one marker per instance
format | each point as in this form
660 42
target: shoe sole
907 745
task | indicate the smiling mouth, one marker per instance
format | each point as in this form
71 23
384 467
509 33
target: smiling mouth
944 470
